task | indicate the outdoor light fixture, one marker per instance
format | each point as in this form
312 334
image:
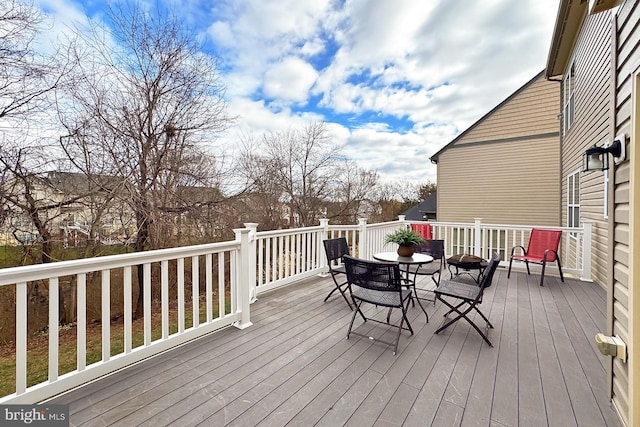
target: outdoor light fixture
596 158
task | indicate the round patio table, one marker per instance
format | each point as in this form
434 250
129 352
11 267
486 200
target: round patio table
467 263
415 259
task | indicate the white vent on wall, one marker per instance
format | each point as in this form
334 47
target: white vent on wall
596 6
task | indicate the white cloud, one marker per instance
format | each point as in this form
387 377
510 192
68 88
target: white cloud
289 80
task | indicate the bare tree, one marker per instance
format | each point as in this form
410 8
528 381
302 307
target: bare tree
426 189
351 198
264 200
25 75
393 198
30 198
304 171
146 103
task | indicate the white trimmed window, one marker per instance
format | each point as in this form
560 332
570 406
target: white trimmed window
573 200
568 99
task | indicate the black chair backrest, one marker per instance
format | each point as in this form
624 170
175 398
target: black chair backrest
435 248
487 276
336 249
378 276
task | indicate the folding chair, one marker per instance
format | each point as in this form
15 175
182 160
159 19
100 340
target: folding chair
377 283
335 249
469 297
435 248
542 248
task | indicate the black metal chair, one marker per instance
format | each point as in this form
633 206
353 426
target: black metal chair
335 249
377 283
435 248
469 296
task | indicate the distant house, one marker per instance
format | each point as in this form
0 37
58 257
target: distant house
595 53
505 168
425 210
72 207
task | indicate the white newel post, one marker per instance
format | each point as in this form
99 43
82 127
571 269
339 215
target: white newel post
401 219
243 286
363 245
253 255
324 235
477 239
586 251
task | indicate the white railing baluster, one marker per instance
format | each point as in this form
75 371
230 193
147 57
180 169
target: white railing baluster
233 300
287 256
53 328
304 260
164 297
81 321
146 303
261 273
180 277
21 337
106 314
128 310
221 292
208 265
195 291
270 260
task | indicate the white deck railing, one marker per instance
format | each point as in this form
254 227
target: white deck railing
213 285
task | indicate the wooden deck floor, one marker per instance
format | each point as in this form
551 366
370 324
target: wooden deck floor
294 367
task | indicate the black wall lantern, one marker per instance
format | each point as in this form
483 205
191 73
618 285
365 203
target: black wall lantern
597 159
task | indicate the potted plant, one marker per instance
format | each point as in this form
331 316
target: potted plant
405 239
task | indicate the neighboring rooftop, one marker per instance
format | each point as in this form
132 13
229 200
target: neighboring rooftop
424 210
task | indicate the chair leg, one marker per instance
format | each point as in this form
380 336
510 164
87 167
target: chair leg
509 272
364 318
395 345
353 318
406 319
560 268
422 307
339 288
544 265
483 316
463 315
453 309
527 263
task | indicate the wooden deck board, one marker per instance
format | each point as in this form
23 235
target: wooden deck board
294 367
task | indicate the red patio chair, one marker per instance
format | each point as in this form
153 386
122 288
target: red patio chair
542 248
423 229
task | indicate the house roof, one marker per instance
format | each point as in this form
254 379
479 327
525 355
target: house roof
434 158
571 13
429 205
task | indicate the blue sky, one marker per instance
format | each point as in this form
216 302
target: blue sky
396 80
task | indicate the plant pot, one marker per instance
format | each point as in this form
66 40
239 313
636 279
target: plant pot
405 251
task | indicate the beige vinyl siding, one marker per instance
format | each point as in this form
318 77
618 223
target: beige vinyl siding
593 124
506 167
505 182
627 62
531 112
